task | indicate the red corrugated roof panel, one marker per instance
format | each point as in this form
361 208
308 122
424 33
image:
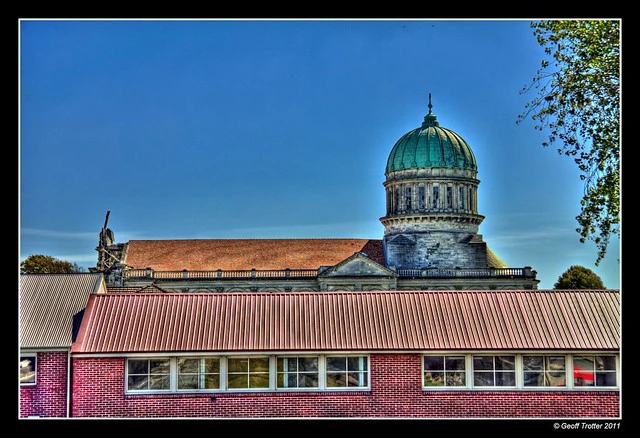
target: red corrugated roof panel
385 320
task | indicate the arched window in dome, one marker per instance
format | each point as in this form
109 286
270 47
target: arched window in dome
397 202
407 196
461 197
449 197
421 197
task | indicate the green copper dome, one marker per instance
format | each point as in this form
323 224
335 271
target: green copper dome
431 146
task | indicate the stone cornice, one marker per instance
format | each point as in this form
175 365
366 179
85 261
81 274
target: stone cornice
421 218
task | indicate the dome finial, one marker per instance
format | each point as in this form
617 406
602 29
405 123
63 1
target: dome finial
430 119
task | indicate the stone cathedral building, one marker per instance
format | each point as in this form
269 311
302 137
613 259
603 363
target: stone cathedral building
430 241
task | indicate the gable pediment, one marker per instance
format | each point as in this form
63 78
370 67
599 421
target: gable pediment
358 265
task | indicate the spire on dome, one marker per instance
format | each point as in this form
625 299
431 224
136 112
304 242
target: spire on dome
430 119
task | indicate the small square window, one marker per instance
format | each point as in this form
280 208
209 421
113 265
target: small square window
494 371
347 371
28 370
444 371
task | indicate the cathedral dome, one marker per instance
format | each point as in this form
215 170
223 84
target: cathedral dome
431 146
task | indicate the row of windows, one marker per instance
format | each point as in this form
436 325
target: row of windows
519 371
247 373
404 200
455 371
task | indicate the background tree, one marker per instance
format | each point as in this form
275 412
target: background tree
43 264
578 99
579 277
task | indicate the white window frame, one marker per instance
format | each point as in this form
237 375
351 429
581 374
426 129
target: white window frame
494 355
347 388
544 371
297 388
200 375
270 377
445 387
591 388
172 376
34 361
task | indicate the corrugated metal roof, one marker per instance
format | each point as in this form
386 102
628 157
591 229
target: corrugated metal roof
396 320
48 303
239 254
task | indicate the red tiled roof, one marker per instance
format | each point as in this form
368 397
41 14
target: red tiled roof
242 254
396 320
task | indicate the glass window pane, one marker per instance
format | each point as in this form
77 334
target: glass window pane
357 379
238 365
137 383
505 362
357 364
237 381
138 366
582 378
483 378
533 379
555 363
188 365
483 362
606 379
605 363
454 363
160 366
336 364
259 380
308 381
336 380
260 364
456 379
212 381
159 382
505 378
434 363
556 378
533 363
187 381
292 380
308 364
212 365
584 363
433 378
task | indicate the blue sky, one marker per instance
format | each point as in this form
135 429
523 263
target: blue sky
279 129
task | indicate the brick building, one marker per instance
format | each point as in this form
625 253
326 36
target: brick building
398 354
49 306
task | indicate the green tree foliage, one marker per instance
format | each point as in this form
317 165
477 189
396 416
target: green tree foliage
578 100
43 264
579 277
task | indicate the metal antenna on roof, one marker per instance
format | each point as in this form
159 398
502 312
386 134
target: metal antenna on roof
430 106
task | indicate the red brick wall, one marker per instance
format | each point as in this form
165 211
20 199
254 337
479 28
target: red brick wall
396 391
48 398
